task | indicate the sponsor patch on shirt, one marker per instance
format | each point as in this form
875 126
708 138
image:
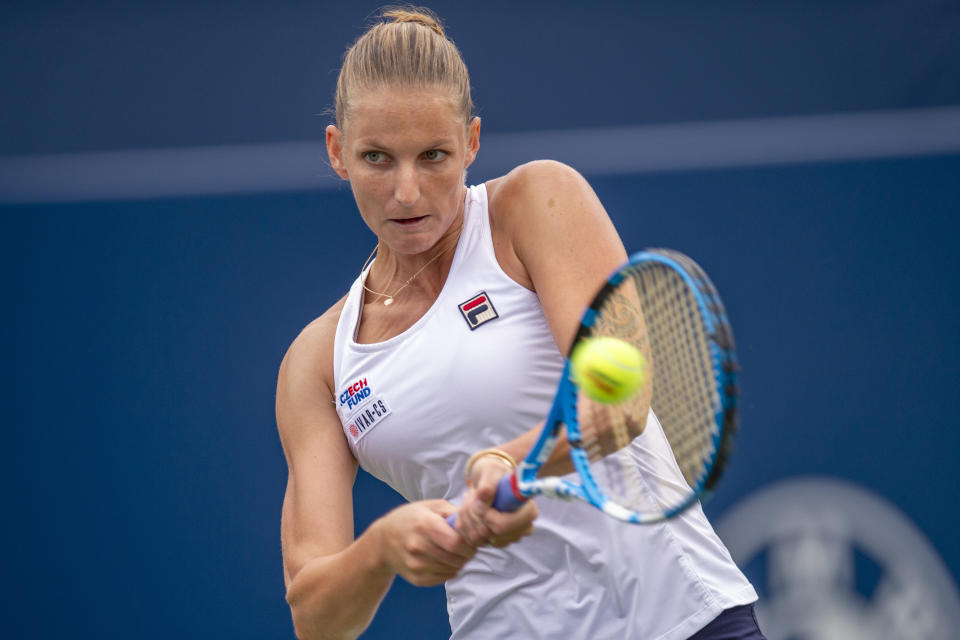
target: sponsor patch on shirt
478 310
354 394
370 414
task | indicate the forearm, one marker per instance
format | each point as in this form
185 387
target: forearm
559 462
336 596
599 436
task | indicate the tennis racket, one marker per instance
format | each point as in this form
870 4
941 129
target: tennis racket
633 465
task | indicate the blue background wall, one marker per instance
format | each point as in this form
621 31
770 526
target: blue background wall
142 475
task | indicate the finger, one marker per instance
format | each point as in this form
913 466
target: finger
429 579
447 538
468 528
510 538
514 523
486 488
499 543
471 519
425 555
473 530
485 475
441 507
441 558
455 543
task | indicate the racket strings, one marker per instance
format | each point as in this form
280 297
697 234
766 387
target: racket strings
684 390
654 472
606 427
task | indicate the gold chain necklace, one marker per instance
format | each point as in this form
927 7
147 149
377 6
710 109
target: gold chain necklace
390 297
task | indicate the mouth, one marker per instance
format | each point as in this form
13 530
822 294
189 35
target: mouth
406 222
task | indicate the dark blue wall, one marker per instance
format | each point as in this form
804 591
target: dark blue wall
106 74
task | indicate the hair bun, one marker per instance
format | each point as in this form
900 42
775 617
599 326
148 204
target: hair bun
405 46
418 15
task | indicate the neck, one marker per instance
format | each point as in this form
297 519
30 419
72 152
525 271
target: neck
397 273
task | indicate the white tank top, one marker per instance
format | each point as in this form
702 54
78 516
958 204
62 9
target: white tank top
478 369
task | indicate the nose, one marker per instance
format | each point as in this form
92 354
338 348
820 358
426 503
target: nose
406 189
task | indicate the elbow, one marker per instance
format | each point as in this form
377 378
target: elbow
304 617
307 623
303 612
297 613
309 620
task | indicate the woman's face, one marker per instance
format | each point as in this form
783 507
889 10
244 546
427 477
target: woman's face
404 152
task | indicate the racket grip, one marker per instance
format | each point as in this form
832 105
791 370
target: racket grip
504 500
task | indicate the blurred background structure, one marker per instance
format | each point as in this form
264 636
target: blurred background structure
168 224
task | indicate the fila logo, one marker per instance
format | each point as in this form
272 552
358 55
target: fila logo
478 310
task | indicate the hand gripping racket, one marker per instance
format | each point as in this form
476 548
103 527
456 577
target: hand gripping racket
635 466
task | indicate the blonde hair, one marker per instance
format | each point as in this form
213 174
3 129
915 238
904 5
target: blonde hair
407 48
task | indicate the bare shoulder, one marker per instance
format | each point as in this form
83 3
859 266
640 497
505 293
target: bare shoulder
546 208
544 197
539 182
552 234
305 380
315 337
529 200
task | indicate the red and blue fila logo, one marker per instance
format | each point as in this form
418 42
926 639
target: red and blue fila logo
355 393
478 310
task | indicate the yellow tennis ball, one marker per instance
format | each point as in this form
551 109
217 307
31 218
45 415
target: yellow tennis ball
609 370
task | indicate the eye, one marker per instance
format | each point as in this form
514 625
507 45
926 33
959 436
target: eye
435 155
375 157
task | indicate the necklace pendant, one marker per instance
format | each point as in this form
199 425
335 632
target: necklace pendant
388 301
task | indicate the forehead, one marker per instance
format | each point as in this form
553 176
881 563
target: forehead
403 114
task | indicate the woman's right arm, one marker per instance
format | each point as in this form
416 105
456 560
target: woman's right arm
335 583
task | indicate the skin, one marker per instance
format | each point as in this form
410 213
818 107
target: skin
405 152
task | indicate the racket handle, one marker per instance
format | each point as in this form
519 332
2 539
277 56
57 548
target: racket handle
504 500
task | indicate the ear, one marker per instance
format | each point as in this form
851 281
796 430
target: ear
473 141
335 151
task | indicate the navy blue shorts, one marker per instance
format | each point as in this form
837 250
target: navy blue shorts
737 623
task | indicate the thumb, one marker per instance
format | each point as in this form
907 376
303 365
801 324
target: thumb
441 507
482 498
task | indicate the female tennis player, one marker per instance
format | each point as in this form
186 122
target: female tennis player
434 371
